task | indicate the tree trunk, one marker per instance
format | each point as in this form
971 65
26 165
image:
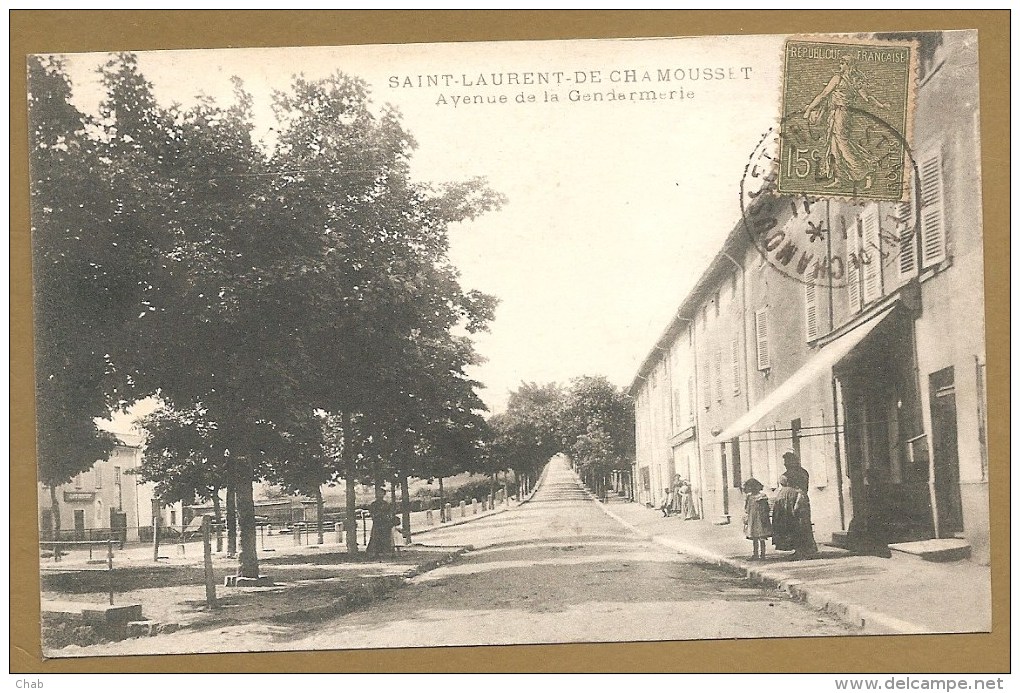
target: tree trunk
231 516
442 502
218 512
243 496
405 509
350 520
54 515
319 511
155 528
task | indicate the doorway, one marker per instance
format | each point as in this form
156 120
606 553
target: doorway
945 455
79 525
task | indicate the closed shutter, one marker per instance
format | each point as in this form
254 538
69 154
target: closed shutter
761 337
810 312
735 365
933 231
903 215
706 382
718 374
853 269
690 398
871 254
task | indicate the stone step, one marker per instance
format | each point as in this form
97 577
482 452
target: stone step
92 613
937 550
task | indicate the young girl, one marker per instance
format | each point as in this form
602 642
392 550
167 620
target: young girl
757 521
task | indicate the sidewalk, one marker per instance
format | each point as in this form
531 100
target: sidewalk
902 594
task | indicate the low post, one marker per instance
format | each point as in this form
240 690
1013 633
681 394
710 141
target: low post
210 579
182 539
474 506
448 513
429 520
109 566
463 509
339 529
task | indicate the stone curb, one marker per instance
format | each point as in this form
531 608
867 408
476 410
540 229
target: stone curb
378 587
463 520
822 600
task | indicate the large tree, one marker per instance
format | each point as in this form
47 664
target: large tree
76 310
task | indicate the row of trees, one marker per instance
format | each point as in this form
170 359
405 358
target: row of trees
291 303
590 419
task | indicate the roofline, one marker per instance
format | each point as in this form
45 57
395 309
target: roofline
736 240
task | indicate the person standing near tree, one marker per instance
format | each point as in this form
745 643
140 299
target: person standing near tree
380 543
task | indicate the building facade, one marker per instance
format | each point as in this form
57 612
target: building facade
107 501
860 347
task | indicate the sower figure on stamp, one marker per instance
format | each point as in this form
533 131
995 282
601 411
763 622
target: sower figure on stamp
843 156
380 542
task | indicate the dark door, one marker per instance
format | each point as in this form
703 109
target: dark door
79 525
118 525
945 455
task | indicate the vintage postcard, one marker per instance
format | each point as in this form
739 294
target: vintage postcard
419 345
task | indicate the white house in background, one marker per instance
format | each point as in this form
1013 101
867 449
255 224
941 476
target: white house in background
108 500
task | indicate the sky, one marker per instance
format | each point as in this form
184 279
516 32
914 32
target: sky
614 208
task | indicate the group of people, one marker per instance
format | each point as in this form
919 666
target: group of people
679 500
786 517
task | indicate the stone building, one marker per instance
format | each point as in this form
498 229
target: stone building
851 332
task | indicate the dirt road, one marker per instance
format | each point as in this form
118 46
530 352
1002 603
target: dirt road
556 569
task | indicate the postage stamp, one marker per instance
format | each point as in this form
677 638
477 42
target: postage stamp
847 109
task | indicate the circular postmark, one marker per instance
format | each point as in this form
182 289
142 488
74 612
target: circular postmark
838 239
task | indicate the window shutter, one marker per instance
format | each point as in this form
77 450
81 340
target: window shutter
871 254
933 231
761 336
690 398
810 312
903 215
718 374
706 383
99 476
853 269
735 365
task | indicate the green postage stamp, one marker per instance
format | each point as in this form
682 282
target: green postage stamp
847 110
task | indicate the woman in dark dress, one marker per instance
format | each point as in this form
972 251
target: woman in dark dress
791 521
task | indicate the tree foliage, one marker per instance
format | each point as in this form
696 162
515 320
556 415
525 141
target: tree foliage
300 296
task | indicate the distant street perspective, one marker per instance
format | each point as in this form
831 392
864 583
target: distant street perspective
556 569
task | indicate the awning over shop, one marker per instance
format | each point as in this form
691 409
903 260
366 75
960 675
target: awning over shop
827 357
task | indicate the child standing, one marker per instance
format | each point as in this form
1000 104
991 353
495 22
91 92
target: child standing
757 519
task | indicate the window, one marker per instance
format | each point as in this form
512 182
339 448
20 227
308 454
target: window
761 338
706 383
735 365
903 216
718 374
933 230
853 267
871 254
78 481
810 312
99 476
690 398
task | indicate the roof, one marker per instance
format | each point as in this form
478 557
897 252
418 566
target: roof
736 242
